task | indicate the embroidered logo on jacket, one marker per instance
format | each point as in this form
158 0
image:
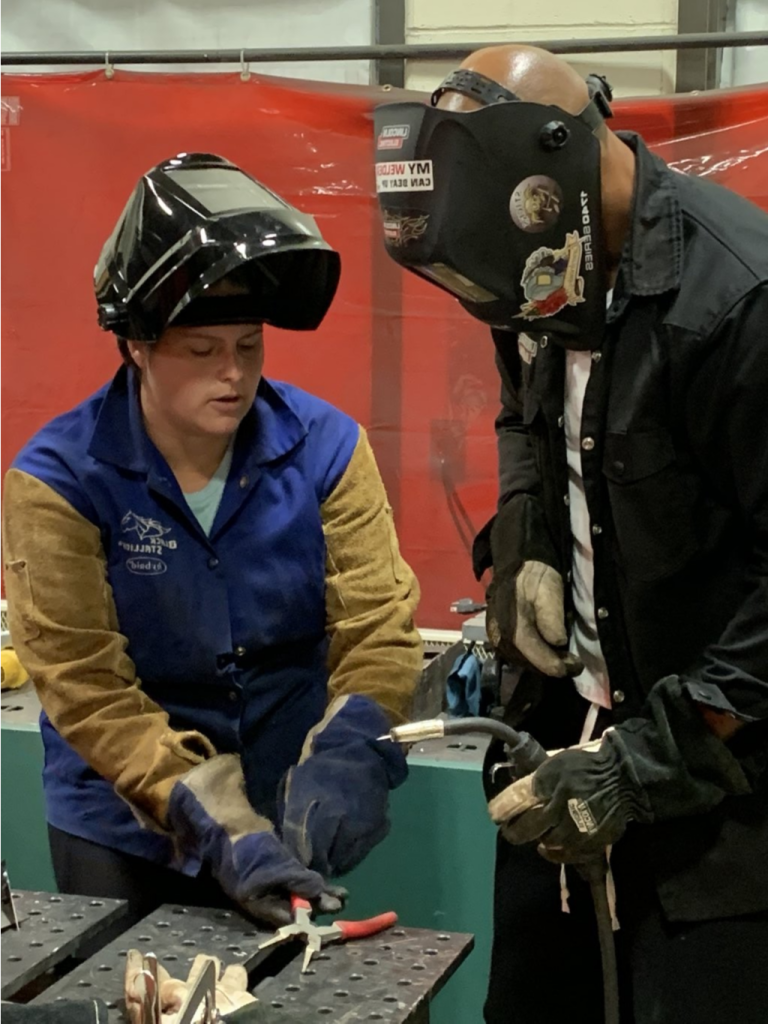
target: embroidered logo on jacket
151 537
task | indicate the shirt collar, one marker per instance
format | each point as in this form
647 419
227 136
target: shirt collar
269 430
651 262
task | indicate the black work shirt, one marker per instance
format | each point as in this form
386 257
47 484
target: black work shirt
674 453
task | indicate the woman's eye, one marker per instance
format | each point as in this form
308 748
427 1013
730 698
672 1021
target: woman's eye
201 351
248 349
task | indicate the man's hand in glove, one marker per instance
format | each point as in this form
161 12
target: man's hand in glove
335 801
211 817
231 988
667 765
526 618
526 611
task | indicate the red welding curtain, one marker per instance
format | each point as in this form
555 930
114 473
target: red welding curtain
395 353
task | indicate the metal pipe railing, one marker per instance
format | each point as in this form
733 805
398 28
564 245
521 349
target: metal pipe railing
416 51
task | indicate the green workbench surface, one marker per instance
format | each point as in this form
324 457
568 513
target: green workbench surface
435 868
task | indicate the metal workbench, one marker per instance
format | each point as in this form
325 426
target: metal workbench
389 977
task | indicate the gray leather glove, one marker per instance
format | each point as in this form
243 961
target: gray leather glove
526 619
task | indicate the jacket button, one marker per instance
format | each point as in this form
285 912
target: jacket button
243 482
234 695
566 500
240 651
561 421
619 467
618 696
543 341
602 613
588 444
596 530
212 562
596 357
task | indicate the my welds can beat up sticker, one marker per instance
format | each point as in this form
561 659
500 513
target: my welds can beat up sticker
405 176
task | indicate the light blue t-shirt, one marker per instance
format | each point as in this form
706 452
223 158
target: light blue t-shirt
204 504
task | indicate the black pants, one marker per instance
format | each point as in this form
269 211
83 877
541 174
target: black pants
545 965
83 868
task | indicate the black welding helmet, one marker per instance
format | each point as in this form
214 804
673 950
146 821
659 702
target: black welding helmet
499 206
195 220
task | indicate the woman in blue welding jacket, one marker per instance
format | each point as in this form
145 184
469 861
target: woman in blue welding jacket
203 576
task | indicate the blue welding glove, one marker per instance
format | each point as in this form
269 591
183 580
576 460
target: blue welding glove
335 802
212 820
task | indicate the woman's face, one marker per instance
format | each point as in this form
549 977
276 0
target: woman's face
201 380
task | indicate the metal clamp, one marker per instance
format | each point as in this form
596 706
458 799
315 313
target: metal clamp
9 916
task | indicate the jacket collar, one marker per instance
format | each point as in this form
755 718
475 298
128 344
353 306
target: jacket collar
651 262
269 430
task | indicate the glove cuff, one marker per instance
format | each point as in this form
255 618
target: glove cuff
354 722
671 761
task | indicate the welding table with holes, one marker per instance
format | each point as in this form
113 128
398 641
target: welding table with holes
390 977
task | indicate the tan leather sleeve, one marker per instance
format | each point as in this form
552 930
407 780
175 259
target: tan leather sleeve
371 593
64 627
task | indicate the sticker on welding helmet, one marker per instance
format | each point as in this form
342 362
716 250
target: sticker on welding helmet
393 136
552 280
405 176
402 228
536 203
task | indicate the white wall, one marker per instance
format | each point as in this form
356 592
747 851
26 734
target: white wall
42 25
746 65
507 21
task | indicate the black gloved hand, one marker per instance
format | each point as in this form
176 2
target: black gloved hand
667 765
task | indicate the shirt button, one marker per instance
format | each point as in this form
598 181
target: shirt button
240 651
234 695
566 499
596 530
596 357
618 696
243 482
212 562
588 444
602 613
561 421
543 341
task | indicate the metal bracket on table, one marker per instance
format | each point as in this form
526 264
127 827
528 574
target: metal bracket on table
389 977
10 918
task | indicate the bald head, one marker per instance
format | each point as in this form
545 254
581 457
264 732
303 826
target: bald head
535 75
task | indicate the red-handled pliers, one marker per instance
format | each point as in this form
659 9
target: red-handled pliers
317 936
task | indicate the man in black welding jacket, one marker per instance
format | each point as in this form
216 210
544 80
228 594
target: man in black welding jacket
629 307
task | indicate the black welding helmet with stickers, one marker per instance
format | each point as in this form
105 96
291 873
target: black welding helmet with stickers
500 206
194 222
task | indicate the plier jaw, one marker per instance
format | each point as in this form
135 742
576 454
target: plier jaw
316 936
